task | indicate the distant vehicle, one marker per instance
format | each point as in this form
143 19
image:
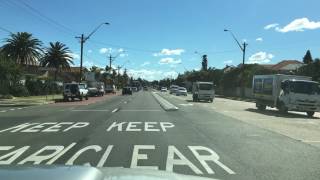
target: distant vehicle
173 89
203 91
287 93
163 89
95 88
145 88
110 88
126 90
134 89
75 90
181 91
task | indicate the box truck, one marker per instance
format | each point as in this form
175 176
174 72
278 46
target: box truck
203 91
286 93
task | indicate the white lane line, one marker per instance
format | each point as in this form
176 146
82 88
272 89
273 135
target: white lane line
141 110
3 111
125 102
115 110
90 110
19 108
12 109
311 141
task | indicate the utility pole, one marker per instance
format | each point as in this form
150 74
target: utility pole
81 56
243 49
82 41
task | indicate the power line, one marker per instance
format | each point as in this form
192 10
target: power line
46 17
6 30
39 16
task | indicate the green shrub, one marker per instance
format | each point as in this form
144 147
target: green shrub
19 90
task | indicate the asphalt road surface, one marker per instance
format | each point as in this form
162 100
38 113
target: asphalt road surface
135 132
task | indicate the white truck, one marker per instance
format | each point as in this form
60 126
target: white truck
203 91
287 93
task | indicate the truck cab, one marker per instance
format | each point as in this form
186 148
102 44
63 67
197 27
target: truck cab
287 93
300 95
203 91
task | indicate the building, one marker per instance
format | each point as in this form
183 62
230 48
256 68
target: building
285 66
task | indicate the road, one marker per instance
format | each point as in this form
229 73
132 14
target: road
136 132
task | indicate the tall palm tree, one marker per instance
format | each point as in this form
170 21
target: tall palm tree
23 48
58 56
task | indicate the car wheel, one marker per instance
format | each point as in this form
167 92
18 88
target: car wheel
283 108
310 113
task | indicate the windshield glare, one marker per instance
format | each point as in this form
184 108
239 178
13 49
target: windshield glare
304 87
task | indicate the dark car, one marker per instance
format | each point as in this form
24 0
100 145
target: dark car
126 90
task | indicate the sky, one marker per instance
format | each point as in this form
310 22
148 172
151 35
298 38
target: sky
157 39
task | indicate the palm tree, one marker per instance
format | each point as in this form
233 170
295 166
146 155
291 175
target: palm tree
23 48
57 56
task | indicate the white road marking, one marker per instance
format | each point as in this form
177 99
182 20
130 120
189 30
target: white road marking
311 141
12 109
136 156
19 108
90 110
3 111
115 110
186 104
141 110
125 102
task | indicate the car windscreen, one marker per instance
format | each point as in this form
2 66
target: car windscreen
304 87
82 86
205 86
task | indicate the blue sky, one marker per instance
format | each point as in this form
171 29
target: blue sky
159 37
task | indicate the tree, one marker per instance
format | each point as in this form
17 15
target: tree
204 62
22 48
312 70
307 59
58 56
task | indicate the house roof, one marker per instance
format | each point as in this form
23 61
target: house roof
287 65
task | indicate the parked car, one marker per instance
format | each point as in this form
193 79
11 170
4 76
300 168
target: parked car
164 89
75 90
145 88
181 91
173 89
93 91
126 90
110 89
134 89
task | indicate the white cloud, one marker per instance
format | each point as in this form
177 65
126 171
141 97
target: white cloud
74 55
89 51
169 60
259 39
123 55
120 50
105 50
260 57
145 74
270 26
227 62
299 25
145 63
169 52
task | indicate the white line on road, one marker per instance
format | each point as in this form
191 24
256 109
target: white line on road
141 110
3 111
115 110
90 110
125 102
12 109
311 141
19 108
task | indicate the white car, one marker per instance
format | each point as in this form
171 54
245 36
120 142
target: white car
163 89
75 90
181 91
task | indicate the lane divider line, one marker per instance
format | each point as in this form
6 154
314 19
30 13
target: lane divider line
115 110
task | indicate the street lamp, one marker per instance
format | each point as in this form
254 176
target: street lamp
243 49
83 39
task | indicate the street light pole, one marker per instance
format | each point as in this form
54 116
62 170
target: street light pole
83 39
243 49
